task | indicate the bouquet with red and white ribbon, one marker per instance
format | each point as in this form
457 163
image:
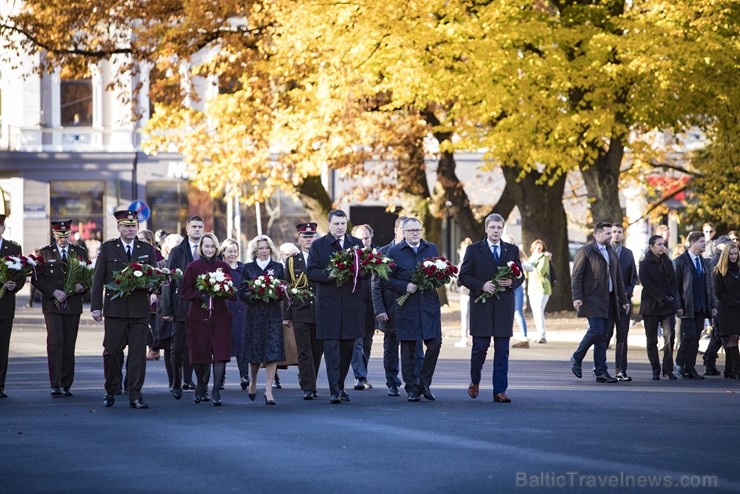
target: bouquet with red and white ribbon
430 274
15 268
138 276
266 288
350 264
214 284
510 271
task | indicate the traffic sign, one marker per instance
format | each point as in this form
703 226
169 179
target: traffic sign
142 209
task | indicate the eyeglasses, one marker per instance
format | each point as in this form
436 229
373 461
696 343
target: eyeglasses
708 231
413 231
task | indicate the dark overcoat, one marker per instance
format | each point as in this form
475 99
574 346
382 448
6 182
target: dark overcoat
7 302
727 289
172 304
209 332
263 330
590 282
658 281
495 317
238 311
384 299
420 316
112 257
629 270
339 311
50 276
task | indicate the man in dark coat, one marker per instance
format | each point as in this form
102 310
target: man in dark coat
696 296
629 276
175 309
339 309
126 318
599 295
420 317
61 310
7 304
302 314
494 318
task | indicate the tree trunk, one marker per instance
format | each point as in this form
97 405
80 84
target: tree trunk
317 201
543 217
602 183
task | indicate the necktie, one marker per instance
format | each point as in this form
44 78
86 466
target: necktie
195 253
128 252
416 248
64 255
697 263
494 250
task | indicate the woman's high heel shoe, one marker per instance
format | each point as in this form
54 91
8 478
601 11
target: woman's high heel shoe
269 402
198 395
244 383
670 375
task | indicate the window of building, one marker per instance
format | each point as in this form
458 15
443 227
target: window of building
76 98
82 202
168 201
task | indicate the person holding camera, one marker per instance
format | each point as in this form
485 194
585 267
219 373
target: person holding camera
659 304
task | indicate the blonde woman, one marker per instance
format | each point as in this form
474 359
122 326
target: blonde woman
263 331
539 288
238 309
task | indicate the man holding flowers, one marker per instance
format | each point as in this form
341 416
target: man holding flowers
491 270
419 317
9 286
63 275
126 317
339 306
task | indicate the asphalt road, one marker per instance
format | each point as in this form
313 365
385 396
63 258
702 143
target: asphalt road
559 434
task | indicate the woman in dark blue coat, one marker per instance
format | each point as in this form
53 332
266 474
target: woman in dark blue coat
230 255
263 331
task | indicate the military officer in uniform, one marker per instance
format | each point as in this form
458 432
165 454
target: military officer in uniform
7 304
61 310
302 315
126 318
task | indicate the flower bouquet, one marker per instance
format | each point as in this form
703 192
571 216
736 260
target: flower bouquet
215 284
352 262
511 270
137 276
430 274
265 288
77 271
13 268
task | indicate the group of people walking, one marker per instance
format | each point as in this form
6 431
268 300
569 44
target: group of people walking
201 332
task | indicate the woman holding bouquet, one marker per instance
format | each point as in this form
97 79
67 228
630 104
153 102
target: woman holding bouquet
208 319
230 254
263 334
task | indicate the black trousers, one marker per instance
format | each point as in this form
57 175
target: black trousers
691 329
337 357
623 328
715 343
61 338
181 369
668 323
415 379
6 327
120 332
310 350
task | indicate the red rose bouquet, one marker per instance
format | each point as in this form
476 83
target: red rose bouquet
265 288
215 284
137 276
511 270
351 263
430 274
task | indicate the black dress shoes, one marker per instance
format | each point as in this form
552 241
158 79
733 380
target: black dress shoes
109 400
670 375
414 396
575 367
335 400
139 404
681 371
711 371
56 391
605 378
622 376
428 394
315 393
3 395
67 392
244 383
694 374
307 394
177 393
187 386
393 391
359 386
344 396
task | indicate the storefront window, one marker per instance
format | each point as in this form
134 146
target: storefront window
82 202
168 201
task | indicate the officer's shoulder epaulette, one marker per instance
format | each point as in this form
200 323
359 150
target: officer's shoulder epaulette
110 240
11 242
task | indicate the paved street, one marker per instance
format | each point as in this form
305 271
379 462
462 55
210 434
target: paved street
559 434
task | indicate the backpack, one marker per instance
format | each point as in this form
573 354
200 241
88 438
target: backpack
551 274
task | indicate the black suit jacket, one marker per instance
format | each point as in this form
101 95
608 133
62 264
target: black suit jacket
112 257
172 304
50 276
7 302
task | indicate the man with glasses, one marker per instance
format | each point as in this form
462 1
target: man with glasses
420 318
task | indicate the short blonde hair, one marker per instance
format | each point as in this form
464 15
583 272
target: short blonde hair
252 248
228 243
213 238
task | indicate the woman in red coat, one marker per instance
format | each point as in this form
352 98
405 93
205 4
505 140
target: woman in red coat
208 321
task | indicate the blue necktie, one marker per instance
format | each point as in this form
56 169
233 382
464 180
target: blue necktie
494 249
698 266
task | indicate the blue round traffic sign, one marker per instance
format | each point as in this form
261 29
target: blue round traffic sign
142 209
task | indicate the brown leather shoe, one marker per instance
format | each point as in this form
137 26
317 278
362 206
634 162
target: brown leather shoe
473 390
501 398
521 344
